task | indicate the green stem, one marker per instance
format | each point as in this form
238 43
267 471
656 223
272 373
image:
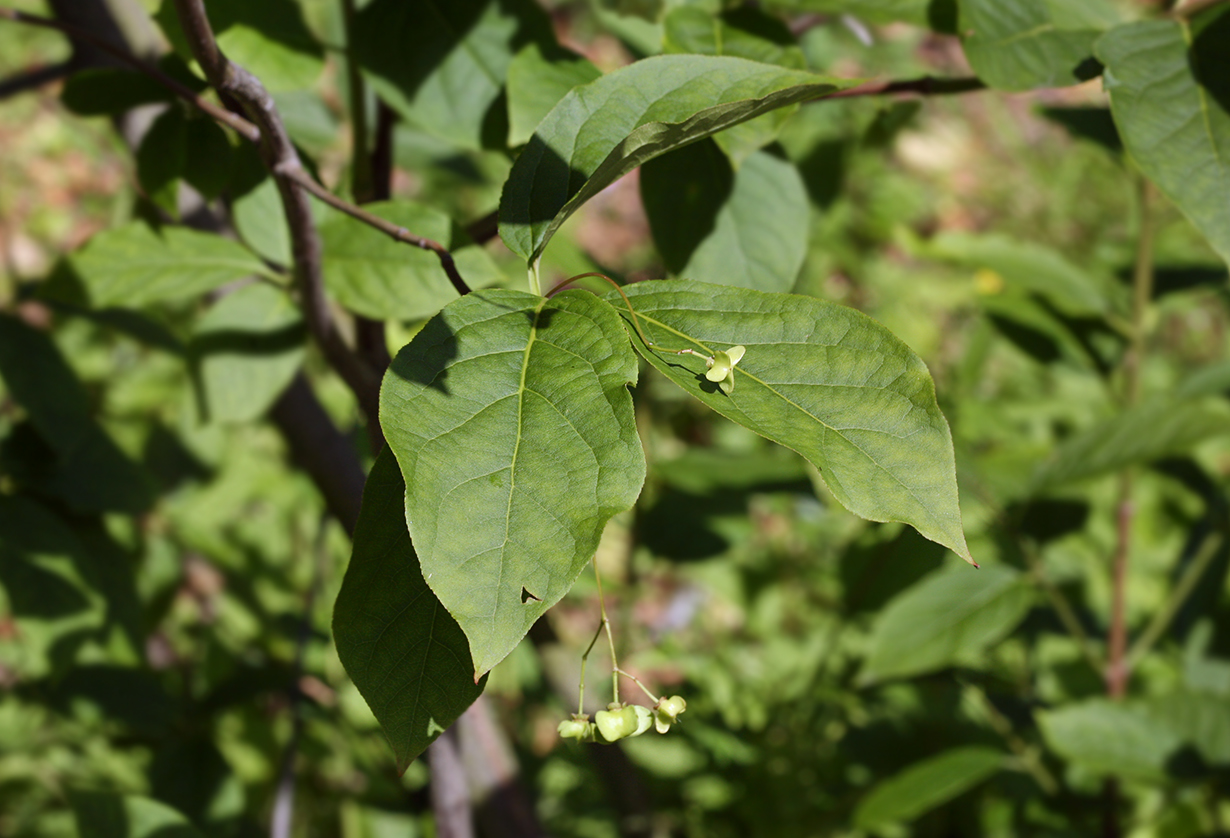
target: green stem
610 637
637 681
1063 609
1187 583
584 658
1026 754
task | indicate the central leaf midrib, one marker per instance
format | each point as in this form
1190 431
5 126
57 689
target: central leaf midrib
799 408
512 466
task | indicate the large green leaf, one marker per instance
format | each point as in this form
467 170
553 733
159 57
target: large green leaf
133 265
538 78
1170 96
746 228
1157 429
742 32
399 645
948 618
246 350
603 130
824 380
101 814
1107 737
442 65
1200 719
926 785
372 274
1023 44
510 416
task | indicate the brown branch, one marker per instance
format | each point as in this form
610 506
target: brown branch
925 86
245 128
282 160
31 79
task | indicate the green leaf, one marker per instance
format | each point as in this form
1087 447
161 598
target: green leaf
1139 435
134 266
103 91
746 228
948 618
207 156
371 274
1107 737
102 814
1199 719
442 65
85 467
1025 44
510 416
161 157
261 222
245 351
824 380
917 12
743 32
399 645
538 78
605 129
925 785
1026 266
266 37
1171 102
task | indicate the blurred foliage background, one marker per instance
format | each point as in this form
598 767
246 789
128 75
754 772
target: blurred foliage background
165 607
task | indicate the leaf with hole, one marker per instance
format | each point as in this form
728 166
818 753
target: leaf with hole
510 416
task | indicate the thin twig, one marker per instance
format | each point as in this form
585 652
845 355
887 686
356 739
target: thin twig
235 121
1182 590
31 79
1027 755
925 86
249 131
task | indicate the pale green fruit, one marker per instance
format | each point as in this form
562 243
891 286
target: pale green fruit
616 723
579 728
644 719
722 369
667 712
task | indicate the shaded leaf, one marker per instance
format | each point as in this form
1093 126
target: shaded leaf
1024 44
510 416
442 65
401 648
1107 737
207 156
1200 719
603 130
101 814
371 274
538 78
245 351
946 619
161 157
1141 434
133 265
266 37
1026 266
103 91
925 785
824 380
261 222
918 12
1171 102
746 228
